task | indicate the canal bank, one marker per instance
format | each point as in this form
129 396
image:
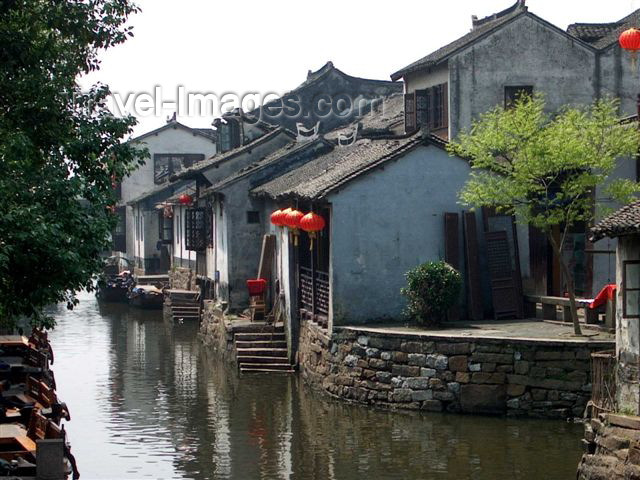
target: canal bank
150 401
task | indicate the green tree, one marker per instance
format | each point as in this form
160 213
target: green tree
60 150
544 168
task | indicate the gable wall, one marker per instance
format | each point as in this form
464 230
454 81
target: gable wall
387 222
524 52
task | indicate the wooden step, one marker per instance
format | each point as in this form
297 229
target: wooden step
261 352
261 344
264 370
261 359
247 337
265 366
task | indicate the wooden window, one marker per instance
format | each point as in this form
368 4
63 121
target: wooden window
253 217
165 228
513 93
167 164
409 112
229 135
195 229
631 289
431 107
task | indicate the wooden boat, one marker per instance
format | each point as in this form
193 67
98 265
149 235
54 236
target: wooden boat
147 297
29 407
116 281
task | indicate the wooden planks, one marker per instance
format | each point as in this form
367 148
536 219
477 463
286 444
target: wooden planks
473 268
452 253
504 291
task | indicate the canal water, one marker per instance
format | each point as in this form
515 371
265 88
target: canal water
147 401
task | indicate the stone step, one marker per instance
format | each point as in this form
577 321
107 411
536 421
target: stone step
257 328
262 359
261 352
261 344
184 309
261 336
263 370
265 366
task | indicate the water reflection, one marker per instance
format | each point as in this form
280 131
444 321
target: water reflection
148 402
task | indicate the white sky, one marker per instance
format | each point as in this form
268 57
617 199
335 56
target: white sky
241 46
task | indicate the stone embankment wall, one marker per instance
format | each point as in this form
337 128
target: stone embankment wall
612 448
213 331
435 373
181 278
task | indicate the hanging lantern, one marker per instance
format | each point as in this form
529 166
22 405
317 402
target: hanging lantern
277 218
185 199
167 211
292 220
312 223
630 40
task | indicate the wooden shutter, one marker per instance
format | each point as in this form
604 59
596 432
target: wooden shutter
409 112
473 266
504 291
445 105
422 108
452 253
195 229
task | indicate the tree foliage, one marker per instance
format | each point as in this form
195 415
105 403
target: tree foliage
544 168
60 150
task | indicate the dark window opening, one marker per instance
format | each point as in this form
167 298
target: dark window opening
631 289
197 231
165 227
253 217
167 164
513 93
120 231
229 135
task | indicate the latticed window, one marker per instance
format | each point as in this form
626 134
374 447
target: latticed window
196 229
427 108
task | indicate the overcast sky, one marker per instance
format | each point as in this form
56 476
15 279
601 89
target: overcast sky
242 46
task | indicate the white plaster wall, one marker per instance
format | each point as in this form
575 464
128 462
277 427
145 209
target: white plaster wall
221 245
627 331
384 224
427 78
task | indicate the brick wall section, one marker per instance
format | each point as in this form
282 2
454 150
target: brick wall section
612 449
479 375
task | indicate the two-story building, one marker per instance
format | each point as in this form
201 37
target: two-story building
513 52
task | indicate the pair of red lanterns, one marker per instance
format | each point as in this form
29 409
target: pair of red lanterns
295 220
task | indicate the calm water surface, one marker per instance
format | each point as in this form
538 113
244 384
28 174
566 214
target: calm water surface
148 402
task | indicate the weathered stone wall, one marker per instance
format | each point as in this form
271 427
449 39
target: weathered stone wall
612 448
182 278
480 375
213 331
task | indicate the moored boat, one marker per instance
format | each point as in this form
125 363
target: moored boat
147 297
116 281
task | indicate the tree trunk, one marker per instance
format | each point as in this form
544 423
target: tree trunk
570 286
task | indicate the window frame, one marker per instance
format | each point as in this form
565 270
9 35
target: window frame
625 263
509 100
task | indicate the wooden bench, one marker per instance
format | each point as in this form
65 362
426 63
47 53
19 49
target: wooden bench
550 304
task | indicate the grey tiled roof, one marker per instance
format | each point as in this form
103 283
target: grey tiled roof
481 28
622 222
219 158
390 113
321 176
631 20
591 32
289 149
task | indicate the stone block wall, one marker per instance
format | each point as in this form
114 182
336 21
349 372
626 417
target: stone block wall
181 278
213 331
612 448
435 373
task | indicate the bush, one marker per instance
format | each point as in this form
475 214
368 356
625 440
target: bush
432 288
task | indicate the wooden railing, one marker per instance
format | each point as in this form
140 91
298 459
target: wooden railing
314 295
603 380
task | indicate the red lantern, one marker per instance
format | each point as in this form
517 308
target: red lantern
312 223
630 40
185 199
291 219
277 218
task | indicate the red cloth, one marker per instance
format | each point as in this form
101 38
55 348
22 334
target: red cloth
607 293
